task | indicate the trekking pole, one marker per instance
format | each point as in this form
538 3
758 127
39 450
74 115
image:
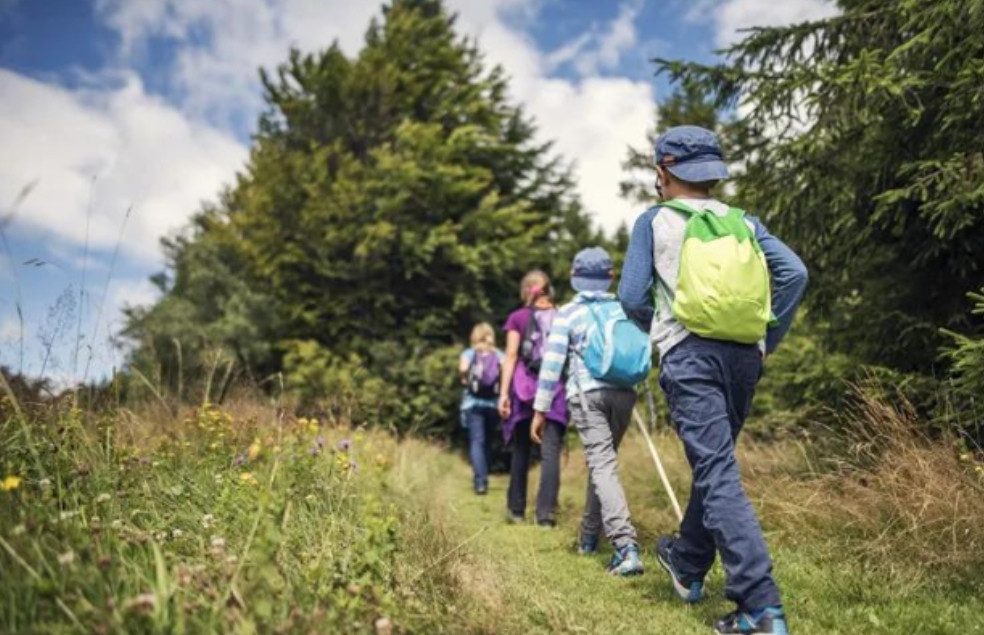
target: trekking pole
659 465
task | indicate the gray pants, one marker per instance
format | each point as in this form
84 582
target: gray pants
602 427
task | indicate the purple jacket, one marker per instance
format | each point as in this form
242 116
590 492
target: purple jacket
522 390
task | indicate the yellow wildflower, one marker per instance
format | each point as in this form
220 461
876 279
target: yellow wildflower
10 483
253 451
247 477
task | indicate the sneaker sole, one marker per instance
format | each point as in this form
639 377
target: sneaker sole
626 574
783 631
682 591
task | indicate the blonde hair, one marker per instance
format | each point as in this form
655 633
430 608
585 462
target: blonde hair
483 337
535 285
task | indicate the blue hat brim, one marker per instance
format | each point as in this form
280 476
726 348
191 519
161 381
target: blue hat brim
700 171
590 284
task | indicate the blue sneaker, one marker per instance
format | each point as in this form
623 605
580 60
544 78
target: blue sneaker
626 561
588 545
768 621
690 591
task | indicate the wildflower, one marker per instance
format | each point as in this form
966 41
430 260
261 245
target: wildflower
116 524
102 498
277 449
44 483
18 530
384 626
247 477
218 542
344 445
68 514
143 602
67 558
176 533
253 451
207 520
239 460
382 461
320 442
353 466
160 536
314 451
10 483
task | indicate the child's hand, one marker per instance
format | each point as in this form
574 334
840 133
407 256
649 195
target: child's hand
505 407
536 427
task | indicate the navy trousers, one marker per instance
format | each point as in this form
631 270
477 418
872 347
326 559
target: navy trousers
709 387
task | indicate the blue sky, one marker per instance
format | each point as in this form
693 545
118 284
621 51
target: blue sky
148 105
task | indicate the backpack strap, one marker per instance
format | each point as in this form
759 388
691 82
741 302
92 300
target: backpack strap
680 206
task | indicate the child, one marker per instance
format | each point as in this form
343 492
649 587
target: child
601 411
711 345
479 369
526 333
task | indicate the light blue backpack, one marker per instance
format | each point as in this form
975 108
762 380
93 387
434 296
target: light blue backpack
616 350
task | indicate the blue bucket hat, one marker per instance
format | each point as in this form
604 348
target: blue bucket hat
592 270
691 154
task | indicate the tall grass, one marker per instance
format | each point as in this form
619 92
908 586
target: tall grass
897 498
239 519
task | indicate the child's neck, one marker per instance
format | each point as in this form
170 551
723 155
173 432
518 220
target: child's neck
543 303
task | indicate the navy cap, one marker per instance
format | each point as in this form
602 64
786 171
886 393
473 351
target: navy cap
592 270
691 154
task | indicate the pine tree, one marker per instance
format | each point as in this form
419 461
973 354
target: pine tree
391 200
864 151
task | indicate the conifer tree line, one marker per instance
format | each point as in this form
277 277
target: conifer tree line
394 198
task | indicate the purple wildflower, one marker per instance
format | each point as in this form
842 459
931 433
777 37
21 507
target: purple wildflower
315 451
239 460
353 466
344 445
320 442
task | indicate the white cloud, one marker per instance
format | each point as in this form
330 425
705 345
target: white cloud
600 49
164 158
592 119
221 44
732 16
119 146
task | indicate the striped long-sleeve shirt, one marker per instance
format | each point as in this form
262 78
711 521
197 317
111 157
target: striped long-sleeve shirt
567 336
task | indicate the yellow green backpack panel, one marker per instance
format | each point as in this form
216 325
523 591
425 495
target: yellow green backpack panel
722 290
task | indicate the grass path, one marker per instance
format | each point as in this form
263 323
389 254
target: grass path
524 579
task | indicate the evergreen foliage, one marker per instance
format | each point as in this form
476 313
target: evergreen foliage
862 148
391 200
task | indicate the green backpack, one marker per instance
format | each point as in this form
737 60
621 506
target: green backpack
722 290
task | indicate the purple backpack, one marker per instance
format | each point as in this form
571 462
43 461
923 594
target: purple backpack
535 338
483 375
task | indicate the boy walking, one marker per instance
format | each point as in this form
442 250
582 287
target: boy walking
600 410
726 292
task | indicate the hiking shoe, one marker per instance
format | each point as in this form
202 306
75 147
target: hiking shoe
588 545
547 523
626 561
482 490
690 591
513 518
768 621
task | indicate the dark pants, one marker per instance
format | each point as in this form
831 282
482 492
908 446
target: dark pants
709 387
481 424
546 498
